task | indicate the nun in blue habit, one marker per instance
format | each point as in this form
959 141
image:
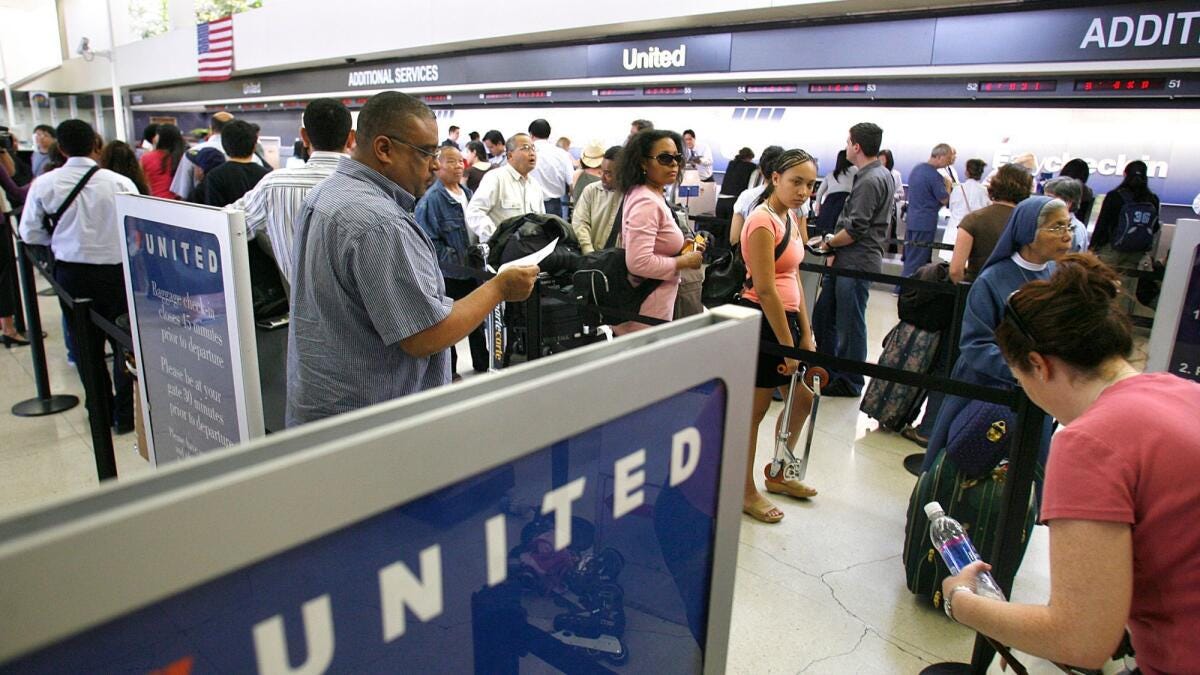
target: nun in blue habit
1038 232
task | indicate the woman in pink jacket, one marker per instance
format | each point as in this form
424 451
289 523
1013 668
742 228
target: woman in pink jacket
653 243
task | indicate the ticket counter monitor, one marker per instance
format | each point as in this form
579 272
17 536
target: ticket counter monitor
1175 337
578 513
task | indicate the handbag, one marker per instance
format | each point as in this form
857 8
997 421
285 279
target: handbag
726 276
978 438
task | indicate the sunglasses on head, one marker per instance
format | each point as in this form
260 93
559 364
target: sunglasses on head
667 159
1013 316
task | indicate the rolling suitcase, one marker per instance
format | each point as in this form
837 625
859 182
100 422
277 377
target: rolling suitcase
975 503
908 348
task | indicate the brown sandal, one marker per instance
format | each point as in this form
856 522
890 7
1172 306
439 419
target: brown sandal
793 489
771 514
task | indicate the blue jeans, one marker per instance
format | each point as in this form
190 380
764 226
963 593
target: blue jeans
554 207
840 323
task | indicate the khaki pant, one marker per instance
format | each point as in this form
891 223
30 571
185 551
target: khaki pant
1123 259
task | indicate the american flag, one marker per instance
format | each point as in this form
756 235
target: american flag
214 49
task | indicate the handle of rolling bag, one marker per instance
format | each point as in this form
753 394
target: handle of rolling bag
50 220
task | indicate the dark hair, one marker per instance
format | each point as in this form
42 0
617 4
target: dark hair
885 156
118 156
842 166
46 128
867 136
786 160
768 156
217 122
689 132
1073 315
480 152
494 137
642 125
474 135
539 128
150 132
1010 184
54 158
612 153
975 168
629 172
170 141
76 138
745 154
1136 180
1077 169
238 139
452 129
327 122
388 111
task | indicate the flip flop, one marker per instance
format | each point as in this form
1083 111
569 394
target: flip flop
796 490
764 515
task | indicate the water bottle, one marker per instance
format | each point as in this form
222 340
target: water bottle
951 540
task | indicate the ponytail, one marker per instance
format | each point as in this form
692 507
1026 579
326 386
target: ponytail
780 165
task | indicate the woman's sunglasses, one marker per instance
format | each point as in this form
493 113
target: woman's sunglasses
667 159
1017 320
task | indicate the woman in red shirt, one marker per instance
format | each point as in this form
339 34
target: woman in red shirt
1121 496
161 162
777 294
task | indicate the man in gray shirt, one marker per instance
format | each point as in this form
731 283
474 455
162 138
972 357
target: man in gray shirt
840 313
370 317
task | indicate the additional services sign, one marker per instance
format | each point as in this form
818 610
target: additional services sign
594 552
187 280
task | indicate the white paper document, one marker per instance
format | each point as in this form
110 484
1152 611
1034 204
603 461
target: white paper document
531 259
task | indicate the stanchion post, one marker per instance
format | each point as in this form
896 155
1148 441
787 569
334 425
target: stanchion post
960 309
91 369
46 403
1006 554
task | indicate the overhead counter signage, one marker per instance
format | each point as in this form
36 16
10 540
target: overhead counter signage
394 75
685 54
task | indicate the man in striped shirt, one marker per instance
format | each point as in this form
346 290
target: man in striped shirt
272 206
370 317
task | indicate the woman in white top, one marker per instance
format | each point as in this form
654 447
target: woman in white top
966 197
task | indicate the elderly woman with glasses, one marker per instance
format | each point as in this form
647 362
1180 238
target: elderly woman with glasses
1038 233
654 245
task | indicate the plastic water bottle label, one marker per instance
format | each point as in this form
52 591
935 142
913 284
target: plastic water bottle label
958 553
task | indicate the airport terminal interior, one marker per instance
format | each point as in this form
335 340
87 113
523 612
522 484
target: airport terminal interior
309 466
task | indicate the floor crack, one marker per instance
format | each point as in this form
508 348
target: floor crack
863 636
778 560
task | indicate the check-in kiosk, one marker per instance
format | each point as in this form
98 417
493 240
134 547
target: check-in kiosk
578 513
1175 338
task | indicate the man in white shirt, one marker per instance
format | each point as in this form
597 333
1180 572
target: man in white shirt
506 191
697 156
87 247
554 168
185 178
272 206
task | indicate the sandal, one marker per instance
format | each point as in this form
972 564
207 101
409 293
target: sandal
769 514
911 434
793 489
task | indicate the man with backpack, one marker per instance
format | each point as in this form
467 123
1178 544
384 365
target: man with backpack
72 210
1127 228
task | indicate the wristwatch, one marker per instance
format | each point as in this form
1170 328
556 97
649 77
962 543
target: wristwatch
950 597
828 238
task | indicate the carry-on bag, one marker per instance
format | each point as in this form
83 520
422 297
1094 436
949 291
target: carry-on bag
974 502
908 348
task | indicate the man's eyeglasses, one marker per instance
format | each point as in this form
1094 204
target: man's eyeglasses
429 154
1012 315
667 159
526 148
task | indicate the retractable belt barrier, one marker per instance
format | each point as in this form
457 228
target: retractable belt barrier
920 244
84 320
1023 457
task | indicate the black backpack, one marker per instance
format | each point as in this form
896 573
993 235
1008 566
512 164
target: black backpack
521 235
926 309
1136 225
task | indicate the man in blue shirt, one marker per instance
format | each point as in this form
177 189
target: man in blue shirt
928 191
370 317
